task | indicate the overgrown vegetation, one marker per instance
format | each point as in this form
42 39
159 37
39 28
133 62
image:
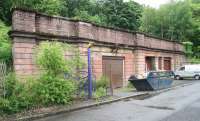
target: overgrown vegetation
5 44
102 85
19 96
52 87
48 88
177 20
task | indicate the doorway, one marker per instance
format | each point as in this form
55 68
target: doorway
149 63
167 63
113 70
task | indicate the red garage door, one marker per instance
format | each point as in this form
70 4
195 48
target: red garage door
113 69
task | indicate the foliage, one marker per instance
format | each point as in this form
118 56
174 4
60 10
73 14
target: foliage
172 21
101 86
50 56
99 93
188 48
122 14
195 37
19 96
5 43
102 82
115 13
51 87
4 105
51 7
194 60
54 90
10 84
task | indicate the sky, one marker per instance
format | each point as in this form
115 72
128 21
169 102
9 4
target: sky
152 3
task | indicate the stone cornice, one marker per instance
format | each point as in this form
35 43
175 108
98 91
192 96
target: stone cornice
96 25
74 39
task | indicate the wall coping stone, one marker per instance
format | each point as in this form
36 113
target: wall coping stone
96 25
44 36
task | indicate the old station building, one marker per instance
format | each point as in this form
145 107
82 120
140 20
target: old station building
116 53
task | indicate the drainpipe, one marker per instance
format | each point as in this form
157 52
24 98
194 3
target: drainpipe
89 72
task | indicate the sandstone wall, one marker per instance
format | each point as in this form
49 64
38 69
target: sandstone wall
30 28
62 27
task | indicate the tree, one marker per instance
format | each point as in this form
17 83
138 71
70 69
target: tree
72 7
195 37
149 21
5 44
172 21
122 14
51 7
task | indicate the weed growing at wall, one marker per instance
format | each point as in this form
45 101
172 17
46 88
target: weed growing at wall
5 44
19 96
54 90
52 87
48 88
102 85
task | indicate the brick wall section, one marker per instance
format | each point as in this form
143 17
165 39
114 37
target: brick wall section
176 59
131 46
23 21
34 22
23 56
56 26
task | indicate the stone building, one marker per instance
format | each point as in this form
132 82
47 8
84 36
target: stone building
116 53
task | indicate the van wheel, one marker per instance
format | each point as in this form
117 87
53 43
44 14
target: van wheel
177 77
197 77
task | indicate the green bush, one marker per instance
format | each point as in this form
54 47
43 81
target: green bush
54 90
102 82
10 84
4 105
50 88
101 86
99 93
50 57
194 60
5 44
19 96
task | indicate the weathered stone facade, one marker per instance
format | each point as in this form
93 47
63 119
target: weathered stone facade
29 28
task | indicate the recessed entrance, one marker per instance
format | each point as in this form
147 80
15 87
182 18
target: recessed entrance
167 63
149 63
113 69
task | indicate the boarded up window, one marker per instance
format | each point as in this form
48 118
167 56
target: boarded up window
160 63
167 63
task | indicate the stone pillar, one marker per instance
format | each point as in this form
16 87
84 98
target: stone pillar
23 47
22 50
156 63
139 62
128 67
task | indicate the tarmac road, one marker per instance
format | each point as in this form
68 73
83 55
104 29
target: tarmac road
181 104
189 113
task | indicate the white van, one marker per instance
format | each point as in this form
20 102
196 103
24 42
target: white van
188 71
